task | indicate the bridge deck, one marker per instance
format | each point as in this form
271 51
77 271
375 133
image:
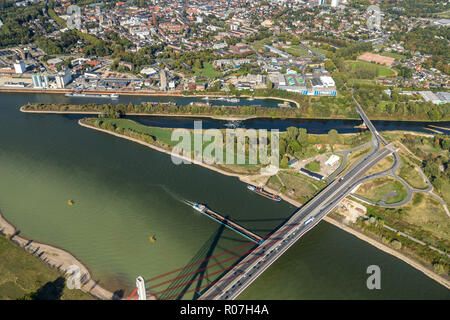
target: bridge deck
239 277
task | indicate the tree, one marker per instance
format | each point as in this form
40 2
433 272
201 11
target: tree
333 137
294 146
329 65
292 133
438 268
284 162
396 244
302 137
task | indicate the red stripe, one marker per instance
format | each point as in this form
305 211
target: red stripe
183 284
132 294
197 271
218 255
215 256
186 283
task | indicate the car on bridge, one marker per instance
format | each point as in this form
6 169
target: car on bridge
309 221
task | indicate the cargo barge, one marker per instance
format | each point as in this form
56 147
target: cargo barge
228 223
263 193
92 95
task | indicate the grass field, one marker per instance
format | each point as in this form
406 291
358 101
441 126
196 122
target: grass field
396 56
409 173
313 166
259 44
297 51
444 15
382 165
427 213
21 274
319 50
380 70
207 71
445 192
383 189
303 188
162 134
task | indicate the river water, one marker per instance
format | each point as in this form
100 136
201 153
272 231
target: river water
124 193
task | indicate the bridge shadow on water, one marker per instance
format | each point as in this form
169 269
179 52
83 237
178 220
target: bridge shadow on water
194 279
205 269
266 230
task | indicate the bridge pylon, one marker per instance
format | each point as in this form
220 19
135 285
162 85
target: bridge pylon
141 291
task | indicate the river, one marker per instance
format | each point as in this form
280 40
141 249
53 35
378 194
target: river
124 193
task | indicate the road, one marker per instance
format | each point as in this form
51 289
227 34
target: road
231 284
343 164
246 271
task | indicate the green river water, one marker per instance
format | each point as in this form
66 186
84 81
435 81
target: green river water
124 192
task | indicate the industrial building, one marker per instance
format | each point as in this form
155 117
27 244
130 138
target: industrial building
63 78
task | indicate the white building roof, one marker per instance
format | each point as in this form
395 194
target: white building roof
149 70
327 81
332 160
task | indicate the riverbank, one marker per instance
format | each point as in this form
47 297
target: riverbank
362 236
391 251
218 95
56 258
259 180
234 118
216 117
140 93
283 115
192 161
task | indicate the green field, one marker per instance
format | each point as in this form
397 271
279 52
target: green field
319 50
382 189
259 44
162 137
24 274
379 70
297 51
302 186
411 175
313 166
444 15
428 213
161 134
396 56
207 71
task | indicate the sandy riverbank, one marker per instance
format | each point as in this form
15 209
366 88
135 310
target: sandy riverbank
57 258
391 251
253 178
375 243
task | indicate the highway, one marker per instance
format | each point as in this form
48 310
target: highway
246 271
231 284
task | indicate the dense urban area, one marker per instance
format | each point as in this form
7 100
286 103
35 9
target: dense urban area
281 48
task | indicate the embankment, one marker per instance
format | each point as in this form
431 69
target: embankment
251 179
57 258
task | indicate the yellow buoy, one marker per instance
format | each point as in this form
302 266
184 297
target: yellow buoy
70 202
152 239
